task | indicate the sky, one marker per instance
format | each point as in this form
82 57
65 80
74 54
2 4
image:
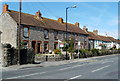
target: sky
102 16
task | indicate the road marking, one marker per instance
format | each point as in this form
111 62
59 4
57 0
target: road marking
106 62
100 68
25 75
75 77
70 67
65 68
76 66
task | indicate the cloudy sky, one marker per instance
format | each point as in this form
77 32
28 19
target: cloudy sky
102 16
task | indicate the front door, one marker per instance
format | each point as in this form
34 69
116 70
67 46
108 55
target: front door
38 47
34 46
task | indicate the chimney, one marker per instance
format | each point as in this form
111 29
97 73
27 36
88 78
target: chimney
60 20
85 29
5 8
77 24
38 14
95 32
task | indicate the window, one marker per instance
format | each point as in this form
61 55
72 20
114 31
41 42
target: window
55 34
25 31
76 36
68 36
46 46
55 45
25 43
64 35
46 35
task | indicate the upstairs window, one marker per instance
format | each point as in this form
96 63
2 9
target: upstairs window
26 31
64 35
76 37
46 34
55 34
68 36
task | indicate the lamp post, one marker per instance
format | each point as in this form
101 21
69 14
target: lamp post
19 32
66 29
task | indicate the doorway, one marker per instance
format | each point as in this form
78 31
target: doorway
34 46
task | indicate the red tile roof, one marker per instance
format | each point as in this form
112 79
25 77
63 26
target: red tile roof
112 39
93 36
100 37
29 19
104 38
118 41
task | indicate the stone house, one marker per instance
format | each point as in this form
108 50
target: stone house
40 33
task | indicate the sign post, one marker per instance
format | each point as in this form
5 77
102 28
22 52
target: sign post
78 49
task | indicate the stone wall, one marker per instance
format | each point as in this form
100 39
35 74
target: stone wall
49 58
8 27
10 56
37 34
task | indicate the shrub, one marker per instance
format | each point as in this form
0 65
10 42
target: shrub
57 51
71 50
95 52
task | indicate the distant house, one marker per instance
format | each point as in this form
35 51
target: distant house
99 41
118 44
40 33
94 40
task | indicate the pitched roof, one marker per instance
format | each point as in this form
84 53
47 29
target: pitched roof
118 41
93 36
104 38
100 37
112 39
29 19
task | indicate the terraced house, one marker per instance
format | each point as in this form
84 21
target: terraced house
98 41
40 33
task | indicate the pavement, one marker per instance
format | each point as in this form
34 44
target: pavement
52 63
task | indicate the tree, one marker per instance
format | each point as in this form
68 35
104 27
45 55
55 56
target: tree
71 47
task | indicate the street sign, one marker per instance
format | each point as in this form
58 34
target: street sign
78 43
61 44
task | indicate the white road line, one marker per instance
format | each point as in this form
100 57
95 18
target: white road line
100 68
70 67
76 66
25 75
106 62
75 77
65 68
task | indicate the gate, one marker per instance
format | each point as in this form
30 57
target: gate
23 56
27 56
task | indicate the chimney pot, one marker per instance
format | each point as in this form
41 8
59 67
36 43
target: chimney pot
5 8
38 14
95 32
77 24
85 29
60 20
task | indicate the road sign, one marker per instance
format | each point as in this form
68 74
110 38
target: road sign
61 44
78 43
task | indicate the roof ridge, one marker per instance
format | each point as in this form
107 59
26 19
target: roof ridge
22 13
46 23
44 18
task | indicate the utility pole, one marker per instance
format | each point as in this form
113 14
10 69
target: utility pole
66 35
67 31
19 31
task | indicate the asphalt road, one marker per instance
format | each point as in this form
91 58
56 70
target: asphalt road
102 68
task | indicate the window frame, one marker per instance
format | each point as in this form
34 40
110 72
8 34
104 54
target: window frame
56 35
46 37
26 35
